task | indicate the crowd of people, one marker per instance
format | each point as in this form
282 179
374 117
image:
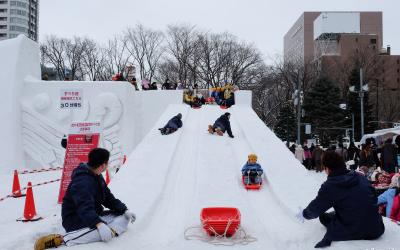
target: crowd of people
193 96
365 159
223 96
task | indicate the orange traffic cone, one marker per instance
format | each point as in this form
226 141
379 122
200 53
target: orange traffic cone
29 210
107 177
16 189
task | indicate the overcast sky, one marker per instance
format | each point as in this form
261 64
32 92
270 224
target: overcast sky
262 22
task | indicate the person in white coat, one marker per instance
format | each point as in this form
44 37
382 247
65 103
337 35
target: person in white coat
299 153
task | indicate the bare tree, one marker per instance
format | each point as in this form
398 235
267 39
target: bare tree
278 83
389 108
181 45
74 52
145 46
116 56
53 53
92 60
65 55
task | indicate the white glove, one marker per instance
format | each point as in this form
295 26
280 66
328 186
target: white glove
299 215
130 216
105 232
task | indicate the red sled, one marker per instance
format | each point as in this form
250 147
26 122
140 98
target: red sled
196 107
210 100
223 107
251 186
220 221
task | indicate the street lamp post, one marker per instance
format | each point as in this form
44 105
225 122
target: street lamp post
344 107
298 112
361 94
352 126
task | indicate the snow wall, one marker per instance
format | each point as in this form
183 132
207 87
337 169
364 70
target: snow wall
33 123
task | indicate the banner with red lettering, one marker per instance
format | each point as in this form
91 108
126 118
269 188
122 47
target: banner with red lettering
82 138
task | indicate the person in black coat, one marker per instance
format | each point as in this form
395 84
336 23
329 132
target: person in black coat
355 215
221 125
64 142
389 156
83 215
173 125
153 86
166 84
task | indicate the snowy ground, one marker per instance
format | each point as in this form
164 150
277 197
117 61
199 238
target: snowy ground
168 179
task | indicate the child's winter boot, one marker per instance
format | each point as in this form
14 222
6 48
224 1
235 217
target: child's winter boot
48 241
210 129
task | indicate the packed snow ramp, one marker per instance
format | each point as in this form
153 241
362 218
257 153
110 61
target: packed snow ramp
169 179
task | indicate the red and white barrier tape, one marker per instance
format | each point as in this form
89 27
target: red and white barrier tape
40 170
25 188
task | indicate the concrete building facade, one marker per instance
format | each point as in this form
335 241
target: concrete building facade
338 42
299 40
19 17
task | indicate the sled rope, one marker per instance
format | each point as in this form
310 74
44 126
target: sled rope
25 188
240 237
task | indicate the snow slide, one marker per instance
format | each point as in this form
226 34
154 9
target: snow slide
167 180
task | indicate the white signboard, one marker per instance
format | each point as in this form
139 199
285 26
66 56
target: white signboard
71 98
308 129
87 127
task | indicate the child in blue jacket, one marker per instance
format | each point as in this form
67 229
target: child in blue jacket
252 171
388 196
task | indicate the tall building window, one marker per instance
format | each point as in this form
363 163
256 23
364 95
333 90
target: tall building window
3 10
3 18
3 2
373 41
398 61
3 27
18 20
18 4
18 28
18 12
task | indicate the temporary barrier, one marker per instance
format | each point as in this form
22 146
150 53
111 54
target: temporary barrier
25 188
16 189
29 209
33 171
